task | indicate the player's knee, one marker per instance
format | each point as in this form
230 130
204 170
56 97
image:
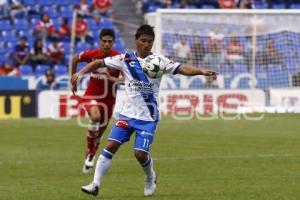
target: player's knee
95 116
141 156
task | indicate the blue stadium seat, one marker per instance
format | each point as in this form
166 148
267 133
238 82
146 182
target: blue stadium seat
5 25
41 69
51 11
106 23
47 2
295 6
208 6
60 70
30 2
260 5
278 6
153 8
9 36
21 24
26 70
62 2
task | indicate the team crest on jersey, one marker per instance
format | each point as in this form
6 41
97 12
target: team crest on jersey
122 124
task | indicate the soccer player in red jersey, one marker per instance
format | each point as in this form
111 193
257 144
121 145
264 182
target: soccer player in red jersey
99 98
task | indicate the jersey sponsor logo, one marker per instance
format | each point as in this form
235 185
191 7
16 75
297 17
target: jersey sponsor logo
140 86
122 124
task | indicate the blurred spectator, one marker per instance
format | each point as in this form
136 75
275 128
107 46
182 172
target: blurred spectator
4 9
271 54
103 8
83 8
21 53
245 4
198 51
83 33
64 29
248 52
234 54
48 83
38 53
182 50
213 58
8 70
227 4
17 9
215 37
166 3
185 3
44 29
56 52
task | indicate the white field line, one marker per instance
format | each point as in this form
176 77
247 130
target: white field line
164 158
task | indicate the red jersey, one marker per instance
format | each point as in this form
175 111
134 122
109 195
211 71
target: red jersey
97 86
227 4
102 4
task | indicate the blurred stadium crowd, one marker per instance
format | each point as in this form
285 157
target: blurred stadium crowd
152 5
35 35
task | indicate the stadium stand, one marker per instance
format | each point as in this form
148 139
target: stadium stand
13 29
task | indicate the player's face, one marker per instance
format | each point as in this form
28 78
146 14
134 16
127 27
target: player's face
106 43
144 45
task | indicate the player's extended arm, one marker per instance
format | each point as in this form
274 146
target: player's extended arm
193 71
89 68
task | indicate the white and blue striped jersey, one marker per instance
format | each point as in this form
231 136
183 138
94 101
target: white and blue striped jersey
141 91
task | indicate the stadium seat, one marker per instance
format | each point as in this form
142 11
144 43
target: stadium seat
278 6
208 6
295 6
260 5
41 69
21 24
5 25
62 2
26 70
153 8
30 2
60 70
51 10
47 2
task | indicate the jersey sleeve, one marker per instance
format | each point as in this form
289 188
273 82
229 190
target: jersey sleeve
115 62
171 66
84 56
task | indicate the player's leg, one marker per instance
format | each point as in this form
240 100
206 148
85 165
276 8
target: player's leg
116 138
143 142
106 111
92 137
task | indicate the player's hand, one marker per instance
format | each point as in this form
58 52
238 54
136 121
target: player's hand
76 78
74 89
210 73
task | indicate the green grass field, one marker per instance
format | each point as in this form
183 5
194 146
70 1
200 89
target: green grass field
195 160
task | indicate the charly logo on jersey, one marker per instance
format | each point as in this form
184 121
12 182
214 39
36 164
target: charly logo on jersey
140 86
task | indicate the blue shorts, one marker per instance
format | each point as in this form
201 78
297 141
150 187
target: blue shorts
144 132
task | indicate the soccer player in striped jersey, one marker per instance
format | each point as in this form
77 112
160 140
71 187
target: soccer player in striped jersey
140 112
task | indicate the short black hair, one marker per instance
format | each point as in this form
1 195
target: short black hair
145 30
107 31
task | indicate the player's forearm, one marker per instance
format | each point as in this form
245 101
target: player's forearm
189 71
74 65
92 66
